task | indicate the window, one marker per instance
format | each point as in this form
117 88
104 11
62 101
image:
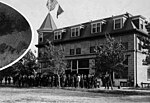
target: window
74 64
126 60
83 63
57 35
148 74
118 23
138 22
92 49
141 24
45 64
75 32
68 64
71 51
122 74
41 37
125 44
78 51
96 27
40 55
72 32
139 46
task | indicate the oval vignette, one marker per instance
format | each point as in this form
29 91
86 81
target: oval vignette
15 36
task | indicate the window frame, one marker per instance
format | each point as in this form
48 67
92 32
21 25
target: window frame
121 75
121 22
92 48
95 26
148 74
78 51
139 45
58 35
72 52
83 63
126 61
41 37
75 31
126 45
141 23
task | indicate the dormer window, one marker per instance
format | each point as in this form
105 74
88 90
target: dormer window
119 23
96 27
75 31
57 35
141 24
138 22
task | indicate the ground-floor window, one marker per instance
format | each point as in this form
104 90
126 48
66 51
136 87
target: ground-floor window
83 71
78 66
80 63
148 74
83 63
44 64
123 74
68 64
74 64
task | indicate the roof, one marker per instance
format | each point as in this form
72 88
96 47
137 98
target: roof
48 24
107 28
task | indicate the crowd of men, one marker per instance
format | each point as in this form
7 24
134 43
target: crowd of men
76 80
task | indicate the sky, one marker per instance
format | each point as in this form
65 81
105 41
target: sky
76 11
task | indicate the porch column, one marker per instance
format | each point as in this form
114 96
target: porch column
77 66
71 65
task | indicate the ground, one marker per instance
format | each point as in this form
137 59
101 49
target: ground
53 95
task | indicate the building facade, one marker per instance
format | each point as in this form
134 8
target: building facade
79 42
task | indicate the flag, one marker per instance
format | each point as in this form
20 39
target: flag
59 11
51 4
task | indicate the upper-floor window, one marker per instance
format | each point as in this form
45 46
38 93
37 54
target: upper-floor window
125 45
78 51
75 31
71 51
138 22
57 35
96 27
39 55
126 60
141 24
118 23
41 37
92 49
139 46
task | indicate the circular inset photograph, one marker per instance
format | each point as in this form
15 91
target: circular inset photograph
15 35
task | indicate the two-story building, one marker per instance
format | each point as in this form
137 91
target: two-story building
80 41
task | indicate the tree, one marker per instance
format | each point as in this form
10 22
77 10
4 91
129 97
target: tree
26 66
109 57
56 59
